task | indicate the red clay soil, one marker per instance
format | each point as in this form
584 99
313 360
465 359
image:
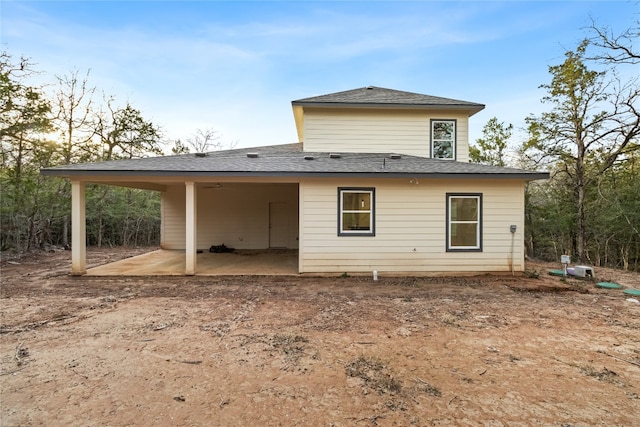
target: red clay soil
307 351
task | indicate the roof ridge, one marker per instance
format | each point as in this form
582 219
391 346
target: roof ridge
376 96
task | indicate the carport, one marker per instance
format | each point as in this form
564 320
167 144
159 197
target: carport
240 198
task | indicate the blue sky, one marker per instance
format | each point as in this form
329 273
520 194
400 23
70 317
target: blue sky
236 66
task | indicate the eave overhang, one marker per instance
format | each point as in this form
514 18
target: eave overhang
458 107
281 162
136 175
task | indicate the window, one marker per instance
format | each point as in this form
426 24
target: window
356 211
464 222
443 139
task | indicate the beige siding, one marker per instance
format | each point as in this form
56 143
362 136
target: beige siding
410 228
378 131
172 212
235 214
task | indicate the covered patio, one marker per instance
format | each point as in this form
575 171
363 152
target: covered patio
259 215
163 262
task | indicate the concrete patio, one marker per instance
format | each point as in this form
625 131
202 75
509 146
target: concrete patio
172 263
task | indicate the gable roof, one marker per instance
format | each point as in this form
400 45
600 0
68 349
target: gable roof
372 96
289 160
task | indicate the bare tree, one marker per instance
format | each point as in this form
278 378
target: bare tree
204 140
615 49
74 118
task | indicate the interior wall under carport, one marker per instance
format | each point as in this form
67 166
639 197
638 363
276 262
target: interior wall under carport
236 214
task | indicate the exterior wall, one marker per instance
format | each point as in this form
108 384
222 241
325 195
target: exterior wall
379 131
410 227
172 218
235 214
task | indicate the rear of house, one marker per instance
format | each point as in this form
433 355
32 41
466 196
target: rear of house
378 181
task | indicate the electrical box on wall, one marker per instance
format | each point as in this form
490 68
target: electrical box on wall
512 228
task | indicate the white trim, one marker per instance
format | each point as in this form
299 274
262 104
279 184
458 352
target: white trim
343 211
191 238
451 222
453 140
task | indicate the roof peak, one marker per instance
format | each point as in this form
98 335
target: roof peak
374 96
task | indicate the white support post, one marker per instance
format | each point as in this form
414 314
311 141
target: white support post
190 231
301 227
78 229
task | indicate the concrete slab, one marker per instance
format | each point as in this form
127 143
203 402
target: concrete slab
172 263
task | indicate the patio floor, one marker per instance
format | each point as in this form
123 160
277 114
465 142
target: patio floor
164 262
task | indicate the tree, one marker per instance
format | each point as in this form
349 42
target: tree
125 134
205 140
614 207
122 216
491 147
179 148
74 120
74 113
25 123
591 114
24 114
40 129
612 48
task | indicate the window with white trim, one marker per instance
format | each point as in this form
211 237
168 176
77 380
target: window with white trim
464 222
443 139
356 211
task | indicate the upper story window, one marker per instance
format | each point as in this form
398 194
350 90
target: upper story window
356 212
443 139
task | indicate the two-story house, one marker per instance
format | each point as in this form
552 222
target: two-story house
379 180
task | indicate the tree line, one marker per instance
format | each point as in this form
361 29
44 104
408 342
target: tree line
71 122
587 139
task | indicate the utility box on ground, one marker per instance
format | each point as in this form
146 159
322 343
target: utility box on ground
584 271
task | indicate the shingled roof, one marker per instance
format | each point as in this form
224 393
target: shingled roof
290 160
372 96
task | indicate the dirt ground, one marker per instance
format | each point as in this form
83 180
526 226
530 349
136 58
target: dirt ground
309 351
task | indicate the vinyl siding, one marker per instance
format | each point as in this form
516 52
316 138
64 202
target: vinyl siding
236 215
173 212
378 131
410 228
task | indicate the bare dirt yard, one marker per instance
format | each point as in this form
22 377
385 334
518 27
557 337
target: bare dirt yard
314 351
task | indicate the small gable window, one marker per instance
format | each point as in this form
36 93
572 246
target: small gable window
356 212
464 222
443 139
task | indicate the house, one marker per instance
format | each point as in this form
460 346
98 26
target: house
379 180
